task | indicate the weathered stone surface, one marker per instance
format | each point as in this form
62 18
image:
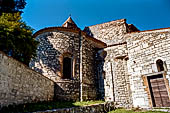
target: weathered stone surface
88 71
113 67
127 65
118 72
19 84
53 47
49 62
117 85
144 49
111 32
67 90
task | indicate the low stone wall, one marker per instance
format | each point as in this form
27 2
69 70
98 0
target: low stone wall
19 84
97 108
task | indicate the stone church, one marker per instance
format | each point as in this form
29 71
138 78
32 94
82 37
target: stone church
112 61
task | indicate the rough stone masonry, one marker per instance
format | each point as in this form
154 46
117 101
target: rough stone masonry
125 69
112 61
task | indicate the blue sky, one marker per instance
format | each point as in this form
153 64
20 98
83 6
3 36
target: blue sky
144 14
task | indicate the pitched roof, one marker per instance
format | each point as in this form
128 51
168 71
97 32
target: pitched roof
69 23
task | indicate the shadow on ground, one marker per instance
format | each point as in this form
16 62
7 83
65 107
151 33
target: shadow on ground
32 107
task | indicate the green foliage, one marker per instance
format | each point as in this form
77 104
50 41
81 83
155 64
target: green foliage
11 6
16 38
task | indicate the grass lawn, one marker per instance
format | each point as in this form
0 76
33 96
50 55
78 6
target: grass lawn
87 103
131 111
42 106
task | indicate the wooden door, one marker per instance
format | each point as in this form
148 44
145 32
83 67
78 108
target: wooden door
158 91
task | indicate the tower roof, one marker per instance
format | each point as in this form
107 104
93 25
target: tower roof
69 23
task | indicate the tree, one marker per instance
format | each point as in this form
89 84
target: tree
11 6
16 38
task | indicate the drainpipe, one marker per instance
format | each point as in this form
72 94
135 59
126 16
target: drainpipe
80 67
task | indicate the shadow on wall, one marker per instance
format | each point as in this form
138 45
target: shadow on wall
66 91
49 61
88 31
99 63
100 75
48 56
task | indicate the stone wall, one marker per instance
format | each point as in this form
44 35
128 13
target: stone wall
67 90
111 32
51 50
53 47
117 85
19 84
88 71
96 108
144 48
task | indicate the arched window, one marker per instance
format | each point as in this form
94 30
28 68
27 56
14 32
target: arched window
160 65
67 68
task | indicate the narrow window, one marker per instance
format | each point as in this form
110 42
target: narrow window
160 65
67 68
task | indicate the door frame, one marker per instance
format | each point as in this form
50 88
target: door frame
148 90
